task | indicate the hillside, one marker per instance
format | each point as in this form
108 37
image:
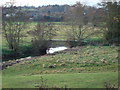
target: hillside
66 68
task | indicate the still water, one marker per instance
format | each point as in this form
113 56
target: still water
56 49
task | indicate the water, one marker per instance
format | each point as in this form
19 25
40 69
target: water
56 49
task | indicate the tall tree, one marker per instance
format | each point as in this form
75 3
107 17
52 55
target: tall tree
113 22
79 30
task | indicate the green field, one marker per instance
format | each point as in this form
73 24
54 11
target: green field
60 47
61 31
76 80
80 67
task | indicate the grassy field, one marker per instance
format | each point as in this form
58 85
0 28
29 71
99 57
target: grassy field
76 80
80 67
61 31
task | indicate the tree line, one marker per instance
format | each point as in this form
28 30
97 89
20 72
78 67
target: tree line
80 17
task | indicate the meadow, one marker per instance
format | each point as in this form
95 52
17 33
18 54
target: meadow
78 67
61 30
84 67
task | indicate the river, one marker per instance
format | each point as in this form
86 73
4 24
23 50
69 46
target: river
56 49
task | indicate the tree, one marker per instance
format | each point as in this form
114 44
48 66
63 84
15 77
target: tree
113 22
13 25
42 34
96 16
79 30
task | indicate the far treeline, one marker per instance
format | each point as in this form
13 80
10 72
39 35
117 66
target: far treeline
80 17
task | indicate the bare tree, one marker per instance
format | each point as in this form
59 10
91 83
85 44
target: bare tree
13 26
42 34
79 28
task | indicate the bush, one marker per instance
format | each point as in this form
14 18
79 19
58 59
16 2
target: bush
40 46
42 34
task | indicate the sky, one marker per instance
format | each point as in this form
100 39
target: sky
49 2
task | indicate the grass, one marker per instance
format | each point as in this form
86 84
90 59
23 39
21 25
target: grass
76 80
82 67
61 30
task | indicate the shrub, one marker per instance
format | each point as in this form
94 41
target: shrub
42 35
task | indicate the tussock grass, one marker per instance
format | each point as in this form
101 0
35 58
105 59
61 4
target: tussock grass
88 66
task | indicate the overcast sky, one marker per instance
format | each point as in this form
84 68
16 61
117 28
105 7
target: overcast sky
49 2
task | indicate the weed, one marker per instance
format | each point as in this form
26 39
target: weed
42 84
109 86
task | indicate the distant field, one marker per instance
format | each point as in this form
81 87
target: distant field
61 31
88 66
